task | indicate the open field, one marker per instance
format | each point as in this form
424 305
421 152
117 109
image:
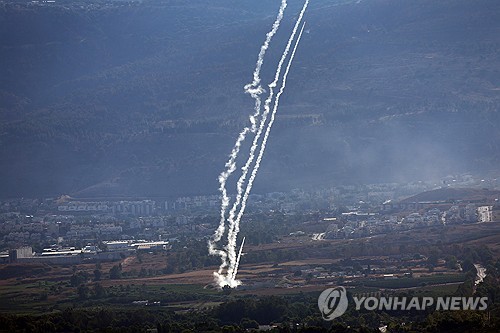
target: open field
41 288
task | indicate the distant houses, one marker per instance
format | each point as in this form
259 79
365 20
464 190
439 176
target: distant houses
114 250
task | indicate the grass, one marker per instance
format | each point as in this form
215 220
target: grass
416 282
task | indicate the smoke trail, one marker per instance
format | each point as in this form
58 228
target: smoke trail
233 276
254 89
263 49
234 224
264 142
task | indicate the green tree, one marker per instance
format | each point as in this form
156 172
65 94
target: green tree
115 272
83 291
99 291
249 323
43 296
78 278
433 258
451 262
97 275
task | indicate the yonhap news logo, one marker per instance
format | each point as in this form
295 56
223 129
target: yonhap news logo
421 303
333 303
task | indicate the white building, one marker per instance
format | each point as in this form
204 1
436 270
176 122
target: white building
117 245
24 252
484 214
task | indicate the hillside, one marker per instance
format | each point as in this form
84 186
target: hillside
126 98
455 194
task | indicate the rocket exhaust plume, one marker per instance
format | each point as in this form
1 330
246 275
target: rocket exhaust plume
238 259
254 89
242 198
235 215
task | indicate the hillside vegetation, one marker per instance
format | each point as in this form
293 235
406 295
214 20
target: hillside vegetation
127 98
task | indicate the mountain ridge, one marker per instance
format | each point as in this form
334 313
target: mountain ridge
379 91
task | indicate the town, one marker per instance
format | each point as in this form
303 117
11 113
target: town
68 230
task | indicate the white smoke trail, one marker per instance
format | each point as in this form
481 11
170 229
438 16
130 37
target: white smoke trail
254 89
268 130
233 276
263 49
264 142
234 224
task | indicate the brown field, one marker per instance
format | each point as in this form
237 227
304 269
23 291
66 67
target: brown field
22 284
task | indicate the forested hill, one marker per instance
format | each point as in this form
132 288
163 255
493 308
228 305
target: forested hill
146 98
455 194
